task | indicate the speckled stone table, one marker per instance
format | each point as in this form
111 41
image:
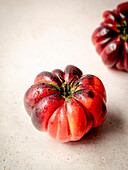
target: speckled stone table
38 35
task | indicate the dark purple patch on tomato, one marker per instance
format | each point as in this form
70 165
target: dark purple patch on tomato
90 94
90 79
103 107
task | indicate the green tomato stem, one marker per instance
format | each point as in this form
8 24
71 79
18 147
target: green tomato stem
123 31
66 90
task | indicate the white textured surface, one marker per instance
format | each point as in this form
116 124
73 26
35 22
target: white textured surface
38 35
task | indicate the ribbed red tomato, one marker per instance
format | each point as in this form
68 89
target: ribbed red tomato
66 104
111 38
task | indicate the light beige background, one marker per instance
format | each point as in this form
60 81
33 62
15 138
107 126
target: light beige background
38 35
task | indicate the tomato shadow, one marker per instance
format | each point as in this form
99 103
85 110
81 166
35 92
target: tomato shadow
114 70
112 125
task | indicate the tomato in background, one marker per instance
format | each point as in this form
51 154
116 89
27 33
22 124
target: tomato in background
111 38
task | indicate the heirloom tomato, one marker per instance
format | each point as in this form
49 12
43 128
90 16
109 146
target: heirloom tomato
66 104
111 37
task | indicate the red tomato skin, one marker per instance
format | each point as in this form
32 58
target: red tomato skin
92 82
35 93
47 77
66 119
122 10
58 126
71 71
94 103
44 109
69 122
59 73
108 41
